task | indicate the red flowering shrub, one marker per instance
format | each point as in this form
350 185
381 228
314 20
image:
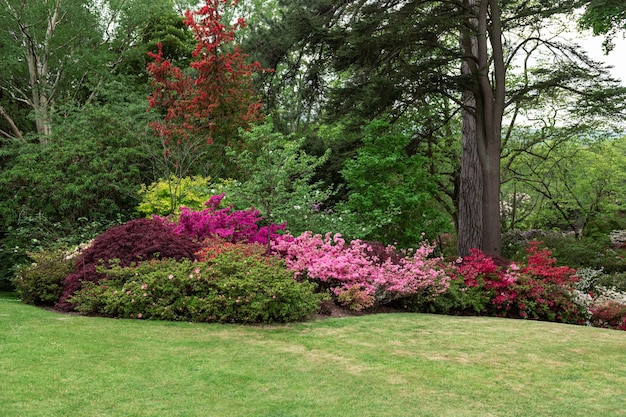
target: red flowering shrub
134 241
539 291
541 264
609 314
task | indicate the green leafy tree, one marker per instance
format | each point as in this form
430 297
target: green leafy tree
366 59
277 178
605 17
570 184
55 52
44 48
167 29
391 194
83 180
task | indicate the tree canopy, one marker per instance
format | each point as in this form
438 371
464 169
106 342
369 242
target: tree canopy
371 59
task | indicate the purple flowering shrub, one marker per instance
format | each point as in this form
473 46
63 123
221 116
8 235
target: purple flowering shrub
227 224
357 273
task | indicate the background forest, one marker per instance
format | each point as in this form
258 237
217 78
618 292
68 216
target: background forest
472 123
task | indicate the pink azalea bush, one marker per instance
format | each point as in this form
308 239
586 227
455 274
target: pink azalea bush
355 274
228 224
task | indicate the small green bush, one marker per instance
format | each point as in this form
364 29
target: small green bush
614 280
457 300
231 287
41 282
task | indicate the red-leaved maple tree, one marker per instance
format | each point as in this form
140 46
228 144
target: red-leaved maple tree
202 112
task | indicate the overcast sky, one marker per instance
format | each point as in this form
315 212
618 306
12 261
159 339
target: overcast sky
616 58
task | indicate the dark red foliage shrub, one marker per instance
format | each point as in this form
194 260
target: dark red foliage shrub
135 241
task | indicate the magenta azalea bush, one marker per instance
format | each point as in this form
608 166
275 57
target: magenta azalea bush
538 290
355 274
228 224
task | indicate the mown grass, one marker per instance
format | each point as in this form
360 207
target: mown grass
378 365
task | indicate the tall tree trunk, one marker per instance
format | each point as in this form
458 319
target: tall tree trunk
483 104
493 101
470 210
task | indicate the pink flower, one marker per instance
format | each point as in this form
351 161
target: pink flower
139 315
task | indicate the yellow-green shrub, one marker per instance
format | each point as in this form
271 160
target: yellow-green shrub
164 197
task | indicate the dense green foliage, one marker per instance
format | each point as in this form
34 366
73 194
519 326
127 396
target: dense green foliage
607 17
165 197
277 178
230 287
84 180
41 282
391 194
558 178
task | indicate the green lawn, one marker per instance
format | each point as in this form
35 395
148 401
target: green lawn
378 365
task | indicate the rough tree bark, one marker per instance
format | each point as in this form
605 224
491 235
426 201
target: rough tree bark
479 199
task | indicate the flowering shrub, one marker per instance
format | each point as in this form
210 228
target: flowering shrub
540 290
230 287
215 246
134 241
234 226
609 314
355 275
356 298
541 264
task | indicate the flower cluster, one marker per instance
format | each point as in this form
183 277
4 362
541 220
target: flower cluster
226 223
354 269
540 290
541 264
